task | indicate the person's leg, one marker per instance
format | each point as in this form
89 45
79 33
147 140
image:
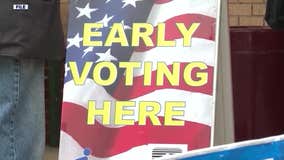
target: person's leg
21 109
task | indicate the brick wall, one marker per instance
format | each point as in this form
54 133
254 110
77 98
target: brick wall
241 12
247 12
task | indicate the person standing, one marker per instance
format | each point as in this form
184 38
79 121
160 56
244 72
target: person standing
30 32
274 14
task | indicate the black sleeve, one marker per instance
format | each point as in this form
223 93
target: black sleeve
275 14
31 28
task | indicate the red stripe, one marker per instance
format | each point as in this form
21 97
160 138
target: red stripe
162 1
206 29
123 92
106 142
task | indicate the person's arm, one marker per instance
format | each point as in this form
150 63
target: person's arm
275 14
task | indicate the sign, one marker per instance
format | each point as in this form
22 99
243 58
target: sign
139 78
264 149
20 6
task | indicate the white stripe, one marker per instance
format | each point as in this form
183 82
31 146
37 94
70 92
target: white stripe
201 51
162 12
71 150
198 106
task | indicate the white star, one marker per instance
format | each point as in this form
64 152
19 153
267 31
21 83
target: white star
67 69
125 26
87 50
85 11
105 20
75 41
106 56
130 2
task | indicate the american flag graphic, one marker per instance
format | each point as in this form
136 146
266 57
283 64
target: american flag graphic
113 142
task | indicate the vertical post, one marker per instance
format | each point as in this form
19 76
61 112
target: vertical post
224 123
54 99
